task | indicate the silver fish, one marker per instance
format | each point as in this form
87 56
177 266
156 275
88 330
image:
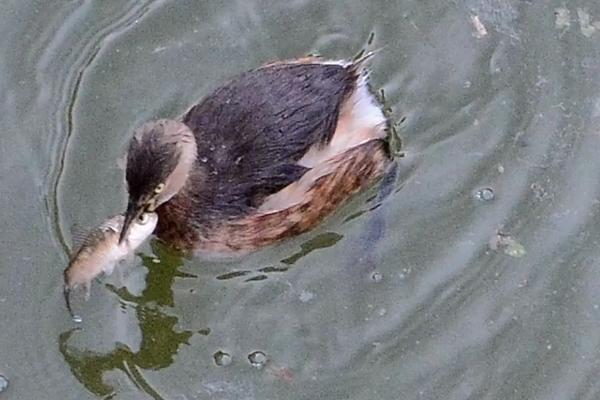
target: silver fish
101 251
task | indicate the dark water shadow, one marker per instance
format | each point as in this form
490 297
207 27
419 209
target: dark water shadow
160 341
321 241
375 225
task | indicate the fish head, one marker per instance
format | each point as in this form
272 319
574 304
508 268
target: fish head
141 229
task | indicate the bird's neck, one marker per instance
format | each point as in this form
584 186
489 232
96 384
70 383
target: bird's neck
184 138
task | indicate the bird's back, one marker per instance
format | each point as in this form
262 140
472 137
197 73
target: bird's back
251 132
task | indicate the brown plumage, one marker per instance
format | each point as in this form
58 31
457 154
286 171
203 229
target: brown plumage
264 157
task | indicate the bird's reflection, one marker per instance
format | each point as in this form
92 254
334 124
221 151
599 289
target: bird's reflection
160 340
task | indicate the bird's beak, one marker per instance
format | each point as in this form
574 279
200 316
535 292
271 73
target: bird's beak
133 211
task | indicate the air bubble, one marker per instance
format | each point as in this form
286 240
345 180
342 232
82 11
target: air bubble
376 276
3 383
306 296
485 194
222 359
258 359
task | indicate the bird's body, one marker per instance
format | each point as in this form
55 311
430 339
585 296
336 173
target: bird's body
264 157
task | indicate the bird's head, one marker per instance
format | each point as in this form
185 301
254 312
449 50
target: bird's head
160 157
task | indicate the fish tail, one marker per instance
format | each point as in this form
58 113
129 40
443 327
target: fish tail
67 294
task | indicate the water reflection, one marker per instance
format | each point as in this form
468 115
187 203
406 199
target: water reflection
160 340
321 241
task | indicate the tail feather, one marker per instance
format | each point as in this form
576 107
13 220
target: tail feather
361 58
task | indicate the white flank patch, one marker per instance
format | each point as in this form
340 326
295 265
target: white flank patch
361 120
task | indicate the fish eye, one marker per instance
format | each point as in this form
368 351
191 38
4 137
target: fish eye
159 188
144 218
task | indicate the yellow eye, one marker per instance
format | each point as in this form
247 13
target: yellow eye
159 188
144 218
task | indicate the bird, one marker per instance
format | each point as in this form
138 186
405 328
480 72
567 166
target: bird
264 157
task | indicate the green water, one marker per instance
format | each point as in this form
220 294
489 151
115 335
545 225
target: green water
439 293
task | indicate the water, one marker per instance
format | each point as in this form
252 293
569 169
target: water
474 300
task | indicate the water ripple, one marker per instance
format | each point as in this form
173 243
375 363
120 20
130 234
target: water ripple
75 60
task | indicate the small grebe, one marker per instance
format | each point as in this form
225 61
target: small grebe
264 157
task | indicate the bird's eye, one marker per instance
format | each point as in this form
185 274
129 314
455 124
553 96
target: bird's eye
159 188
144 218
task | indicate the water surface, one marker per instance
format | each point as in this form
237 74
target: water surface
442 292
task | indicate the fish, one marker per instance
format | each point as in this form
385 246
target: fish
100 251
